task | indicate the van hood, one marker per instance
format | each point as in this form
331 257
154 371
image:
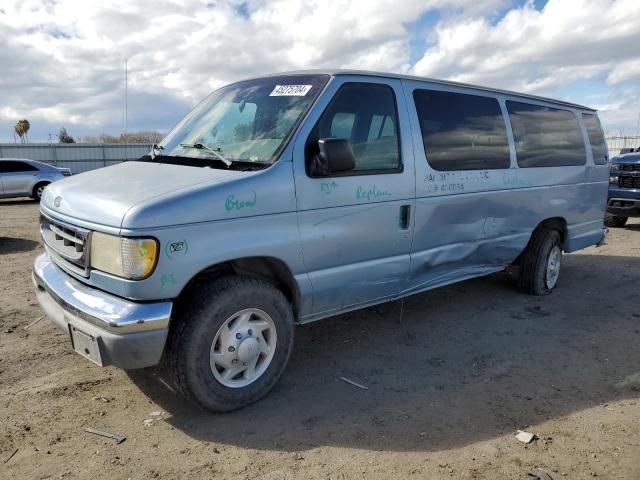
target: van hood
105 195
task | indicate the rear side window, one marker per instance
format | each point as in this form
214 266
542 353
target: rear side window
596 139
365 114
13 167
545 137
462 132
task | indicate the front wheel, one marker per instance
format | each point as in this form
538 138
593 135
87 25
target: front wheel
231 343
540 263
613 221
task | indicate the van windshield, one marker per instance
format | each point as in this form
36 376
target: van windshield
248 121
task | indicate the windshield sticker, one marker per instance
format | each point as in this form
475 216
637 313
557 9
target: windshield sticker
290 90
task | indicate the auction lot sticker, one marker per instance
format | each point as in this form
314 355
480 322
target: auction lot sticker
290 90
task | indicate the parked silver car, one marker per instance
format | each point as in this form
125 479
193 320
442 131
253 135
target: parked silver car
20 177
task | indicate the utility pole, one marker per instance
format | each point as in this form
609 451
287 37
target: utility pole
126 82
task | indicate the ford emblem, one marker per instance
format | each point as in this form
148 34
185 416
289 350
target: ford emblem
57 201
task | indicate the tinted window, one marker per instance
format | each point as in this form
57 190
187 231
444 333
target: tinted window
545 137
596 139
342 125
364 114
11 167
462 132
381 126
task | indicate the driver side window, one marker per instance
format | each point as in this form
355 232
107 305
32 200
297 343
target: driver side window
365 115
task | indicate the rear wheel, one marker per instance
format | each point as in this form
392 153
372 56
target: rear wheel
231 343
540 263
613 221
38 190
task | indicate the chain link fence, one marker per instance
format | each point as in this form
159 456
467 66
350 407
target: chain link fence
618 144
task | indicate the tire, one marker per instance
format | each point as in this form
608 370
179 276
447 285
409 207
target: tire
192 353
36 193
538 271
613 221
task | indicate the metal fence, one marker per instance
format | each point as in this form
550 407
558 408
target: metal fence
616 144
79 157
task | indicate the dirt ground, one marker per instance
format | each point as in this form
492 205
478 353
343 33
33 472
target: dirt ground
448 386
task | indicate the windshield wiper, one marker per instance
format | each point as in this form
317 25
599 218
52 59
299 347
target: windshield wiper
156 151
214 150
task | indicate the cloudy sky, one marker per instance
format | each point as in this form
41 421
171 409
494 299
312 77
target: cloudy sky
62 61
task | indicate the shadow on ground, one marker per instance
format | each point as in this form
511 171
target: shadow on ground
633 223
16 245
17 201
466 363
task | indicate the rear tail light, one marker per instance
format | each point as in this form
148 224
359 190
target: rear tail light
66 174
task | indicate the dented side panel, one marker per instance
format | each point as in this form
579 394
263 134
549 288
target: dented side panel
464 223
473 222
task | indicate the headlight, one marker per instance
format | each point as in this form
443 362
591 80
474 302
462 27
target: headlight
614 167
133 258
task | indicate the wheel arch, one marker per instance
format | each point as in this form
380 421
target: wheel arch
554 223
558 224
267 268
37 184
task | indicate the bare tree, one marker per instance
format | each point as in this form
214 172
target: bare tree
64 137
143 136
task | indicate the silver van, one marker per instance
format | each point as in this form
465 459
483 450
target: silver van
289 198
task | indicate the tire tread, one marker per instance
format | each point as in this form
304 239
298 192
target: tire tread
614 221
34 194
533 261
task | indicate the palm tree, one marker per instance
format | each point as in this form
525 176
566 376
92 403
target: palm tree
18 130
21 129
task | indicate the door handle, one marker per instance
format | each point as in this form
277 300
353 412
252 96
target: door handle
405 217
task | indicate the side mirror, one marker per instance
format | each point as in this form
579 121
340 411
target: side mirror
336 155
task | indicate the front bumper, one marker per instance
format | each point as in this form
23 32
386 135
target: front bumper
624 207
106 329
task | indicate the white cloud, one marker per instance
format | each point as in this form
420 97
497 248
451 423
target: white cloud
63 60
540 51
623 71
533 50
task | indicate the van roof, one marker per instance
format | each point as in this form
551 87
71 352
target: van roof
337 72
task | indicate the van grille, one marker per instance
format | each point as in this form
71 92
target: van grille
67 245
